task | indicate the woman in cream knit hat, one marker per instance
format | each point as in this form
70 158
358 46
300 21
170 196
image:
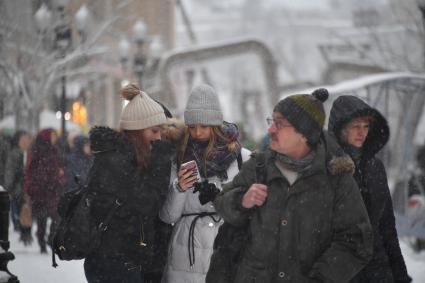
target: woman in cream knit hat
131 166
214 146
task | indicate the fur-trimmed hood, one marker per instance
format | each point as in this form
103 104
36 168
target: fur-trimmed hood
337 160
174 130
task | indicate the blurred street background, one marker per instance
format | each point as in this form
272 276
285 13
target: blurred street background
63 63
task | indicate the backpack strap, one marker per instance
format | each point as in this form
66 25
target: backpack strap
239 160
260 168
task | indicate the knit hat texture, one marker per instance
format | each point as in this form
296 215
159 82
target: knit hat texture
305 112
141 112
203 107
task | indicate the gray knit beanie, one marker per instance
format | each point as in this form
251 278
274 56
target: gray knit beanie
141 112
203 107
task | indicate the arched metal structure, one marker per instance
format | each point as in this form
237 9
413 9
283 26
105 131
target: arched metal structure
216 51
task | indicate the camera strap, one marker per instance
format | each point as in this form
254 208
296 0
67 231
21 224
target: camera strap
191 238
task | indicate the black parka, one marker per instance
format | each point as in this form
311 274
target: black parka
135 233
387 264
315 230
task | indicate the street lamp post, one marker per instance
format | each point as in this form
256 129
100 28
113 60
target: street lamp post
421 6
62 43
146 57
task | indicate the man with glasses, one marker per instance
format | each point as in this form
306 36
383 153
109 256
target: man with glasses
307 223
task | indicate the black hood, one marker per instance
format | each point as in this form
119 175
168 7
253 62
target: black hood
104 139
347 107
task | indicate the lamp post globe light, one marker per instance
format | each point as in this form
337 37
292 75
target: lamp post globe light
139 36
124 48
156 47
62 35
43 17
81 20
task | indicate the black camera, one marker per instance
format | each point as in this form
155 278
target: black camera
207 191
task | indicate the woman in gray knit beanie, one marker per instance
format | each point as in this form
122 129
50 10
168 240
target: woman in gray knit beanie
212 149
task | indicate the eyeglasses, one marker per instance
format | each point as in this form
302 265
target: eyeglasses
278 123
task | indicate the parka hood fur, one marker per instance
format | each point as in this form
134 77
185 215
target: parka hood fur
341 164
174 130
338 161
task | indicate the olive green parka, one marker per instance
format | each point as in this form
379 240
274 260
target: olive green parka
315 230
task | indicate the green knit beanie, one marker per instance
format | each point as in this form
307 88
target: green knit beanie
305 112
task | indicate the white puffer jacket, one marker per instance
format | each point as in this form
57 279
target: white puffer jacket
177 204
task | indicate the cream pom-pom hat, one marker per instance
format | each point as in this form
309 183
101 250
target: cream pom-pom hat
141 112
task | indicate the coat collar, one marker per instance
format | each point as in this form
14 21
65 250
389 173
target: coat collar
329 160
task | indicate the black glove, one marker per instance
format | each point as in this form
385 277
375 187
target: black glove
207 191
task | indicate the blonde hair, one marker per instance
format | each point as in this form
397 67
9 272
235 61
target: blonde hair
216 135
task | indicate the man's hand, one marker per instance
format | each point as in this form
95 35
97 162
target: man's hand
256 195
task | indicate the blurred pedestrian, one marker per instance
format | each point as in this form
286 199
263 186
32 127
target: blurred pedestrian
417 179
307 223
362 132
44 180
78 163
214 146
131 167
4 149
14 180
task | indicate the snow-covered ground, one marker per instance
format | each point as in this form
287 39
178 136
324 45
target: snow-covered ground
32 267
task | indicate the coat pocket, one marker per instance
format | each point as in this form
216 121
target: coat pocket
252 272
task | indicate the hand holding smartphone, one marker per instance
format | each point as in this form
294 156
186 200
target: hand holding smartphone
190 176
191 166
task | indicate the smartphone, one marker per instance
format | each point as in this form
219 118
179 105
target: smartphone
191 165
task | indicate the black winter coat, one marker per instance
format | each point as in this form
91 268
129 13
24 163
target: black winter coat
135 233
387 264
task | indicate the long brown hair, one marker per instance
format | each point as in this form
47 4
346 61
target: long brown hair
142 148
216 135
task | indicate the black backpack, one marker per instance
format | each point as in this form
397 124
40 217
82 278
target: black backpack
230 240
78 234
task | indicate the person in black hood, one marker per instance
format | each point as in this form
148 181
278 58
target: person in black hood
132 167
362 132
78 163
